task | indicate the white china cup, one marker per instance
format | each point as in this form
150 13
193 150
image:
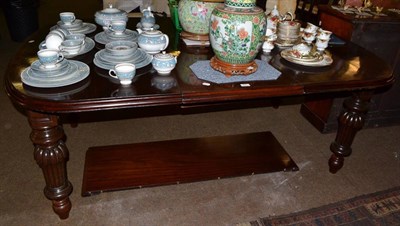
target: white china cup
321 44
311 28
67 17
302 48
49 57
324 34
80 37
117 26
71 46
308 37
124 72
53 41
267 46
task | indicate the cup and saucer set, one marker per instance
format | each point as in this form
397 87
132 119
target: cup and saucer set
53 70
308 53
116 52
116 31
70 45
69 22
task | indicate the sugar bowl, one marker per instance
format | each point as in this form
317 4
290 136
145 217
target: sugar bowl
164 62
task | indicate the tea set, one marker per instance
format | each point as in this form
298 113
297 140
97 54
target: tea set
116 31
53 70
304 46
69 22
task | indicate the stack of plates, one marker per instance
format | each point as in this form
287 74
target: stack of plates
316 60
89 45
121 52
107 36
65 73
76 27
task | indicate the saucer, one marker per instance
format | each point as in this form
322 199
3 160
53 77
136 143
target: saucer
283 43
305 58
105 37
89 45
76 24
37 67
76 73
320 61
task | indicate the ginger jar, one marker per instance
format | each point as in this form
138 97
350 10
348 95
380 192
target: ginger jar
194 17
236 35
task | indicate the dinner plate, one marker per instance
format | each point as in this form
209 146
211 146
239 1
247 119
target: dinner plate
106 37
143 61
76 73
86 28
324 61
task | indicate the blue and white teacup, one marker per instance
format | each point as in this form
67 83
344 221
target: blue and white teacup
117 26
67 17
71 46
49 57
124 72
79 37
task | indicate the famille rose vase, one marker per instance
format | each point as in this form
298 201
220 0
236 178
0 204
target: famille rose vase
236 35
194 17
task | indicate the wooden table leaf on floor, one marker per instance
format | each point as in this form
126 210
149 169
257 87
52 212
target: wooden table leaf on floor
354 72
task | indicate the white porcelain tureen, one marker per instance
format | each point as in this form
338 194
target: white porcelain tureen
105 16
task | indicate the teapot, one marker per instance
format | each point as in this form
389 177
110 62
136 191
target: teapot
153 41
147 20
274 18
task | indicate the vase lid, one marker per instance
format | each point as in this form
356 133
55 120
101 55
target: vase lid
240 3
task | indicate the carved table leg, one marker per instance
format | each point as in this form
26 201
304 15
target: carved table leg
51 154
350 122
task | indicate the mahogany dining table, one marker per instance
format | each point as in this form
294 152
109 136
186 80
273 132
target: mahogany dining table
355 72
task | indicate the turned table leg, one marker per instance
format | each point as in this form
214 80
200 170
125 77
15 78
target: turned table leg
350 122
51 154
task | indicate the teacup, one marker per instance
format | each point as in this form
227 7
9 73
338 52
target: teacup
71 46
308 37
267 46
53 41
124 72
49 57
324 34
302 49
80 37
67 17
57 32
321 44
311 28
118 26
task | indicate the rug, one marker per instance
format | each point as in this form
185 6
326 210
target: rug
380 208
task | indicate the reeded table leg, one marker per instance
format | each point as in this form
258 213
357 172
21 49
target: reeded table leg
350 122
51 154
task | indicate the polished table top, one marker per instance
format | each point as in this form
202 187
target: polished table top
353 68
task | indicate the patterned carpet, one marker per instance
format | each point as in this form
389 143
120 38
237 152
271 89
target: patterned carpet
380 208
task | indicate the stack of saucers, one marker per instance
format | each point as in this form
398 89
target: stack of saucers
107 36
121 52
76 27
66 72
